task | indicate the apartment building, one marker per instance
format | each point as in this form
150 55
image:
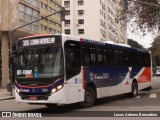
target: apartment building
15 13
93 19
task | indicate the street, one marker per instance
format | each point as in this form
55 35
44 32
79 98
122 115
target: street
145 101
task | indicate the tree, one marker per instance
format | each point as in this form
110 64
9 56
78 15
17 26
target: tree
155 50
146 13
134 44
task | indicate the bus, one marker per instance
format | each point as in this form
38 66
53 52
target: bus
62 69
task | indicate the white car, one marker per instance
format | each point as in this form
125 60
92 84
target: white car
157 71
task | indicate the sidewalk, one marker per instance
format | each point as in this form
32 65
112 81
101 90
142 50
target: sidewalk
4 95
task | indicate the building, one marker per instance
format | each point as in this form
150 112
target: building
93 19
14 13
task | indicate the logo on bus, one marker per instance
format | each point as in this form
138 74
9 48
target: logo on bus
24 90
94 76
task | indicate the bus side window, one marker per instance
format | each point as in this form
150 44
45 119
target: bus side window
111 56
88 55
121 58
140 58
92 55
85 55
106 57
147 60
116 57
99 56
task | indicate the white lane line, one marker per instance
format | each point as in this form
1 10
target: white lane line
138 96
154 95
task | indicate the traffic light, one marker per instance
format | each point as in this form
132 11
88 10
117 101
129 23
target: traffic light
63 10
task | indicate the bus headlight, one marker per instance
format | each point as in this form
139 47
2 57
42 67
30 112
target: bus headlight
59 87
54 90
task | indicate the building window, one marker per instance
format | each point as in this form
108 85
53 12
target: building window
67 31
41 4
80 2
80 31
41 27
50 30
67 22
67 12
45 27
33 2
28 11
26 15
67 4
81 21
22 8
80 12
45 6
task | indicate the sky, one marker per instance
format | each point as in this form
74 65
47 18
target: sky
144 40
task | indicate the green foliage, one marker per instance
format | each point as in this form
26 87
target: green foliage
146 15
134 44
155 50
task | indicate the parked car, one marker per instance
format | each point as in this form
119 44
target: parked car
157 71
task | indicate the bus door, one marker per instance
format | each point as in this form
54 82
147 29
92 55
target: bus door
73 68
104 71
117 72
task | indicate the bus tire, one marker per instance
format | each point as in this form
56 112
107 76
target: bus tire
51 105
134 92
89 97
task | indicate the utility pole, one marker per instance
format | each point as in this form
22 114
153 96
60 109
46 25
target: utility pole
12 54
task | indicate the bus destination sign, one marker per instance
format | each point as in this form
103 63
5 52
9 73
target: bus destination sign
40 41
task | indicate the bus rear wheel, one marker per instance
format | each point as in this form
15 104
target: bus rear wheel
89 97
134 92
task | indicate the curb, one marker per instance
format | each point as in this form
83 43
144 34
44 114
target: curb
7 98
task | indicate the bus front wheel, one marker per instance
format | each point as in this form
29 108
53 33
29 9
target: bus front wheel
89 97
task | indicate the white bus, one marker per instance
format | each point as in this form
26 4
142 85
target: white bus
61 69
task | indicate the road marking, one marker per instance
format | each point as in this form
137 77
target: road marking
153 95
138 96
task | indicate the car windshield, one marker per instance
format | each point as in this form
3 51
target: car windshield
39 63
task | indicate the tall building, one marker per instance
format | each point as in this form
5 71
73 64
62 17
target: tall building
93 19
14 13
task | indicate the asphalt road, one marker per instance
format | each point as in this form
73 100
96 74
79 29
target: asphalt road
145 101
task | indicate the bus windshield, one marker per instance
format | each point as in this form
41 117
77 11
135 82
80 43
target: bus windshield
40 63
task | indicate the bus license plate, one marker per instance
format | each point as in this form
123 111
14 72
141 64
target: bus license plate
32 97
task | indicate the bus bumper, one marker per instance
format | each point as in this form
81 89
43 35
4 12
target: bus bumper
58 97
